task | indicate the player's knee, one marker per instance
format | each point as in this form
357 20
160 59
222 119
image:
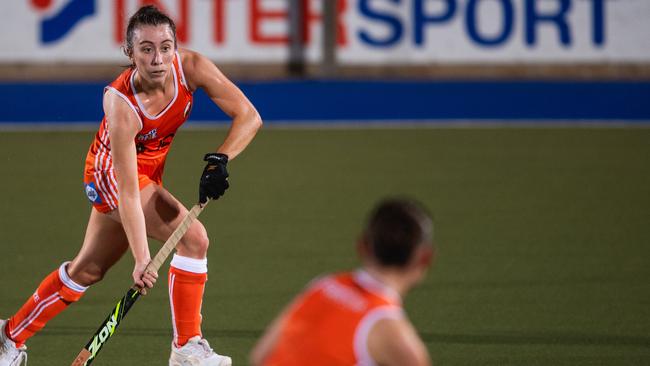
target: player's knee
202 242
197 240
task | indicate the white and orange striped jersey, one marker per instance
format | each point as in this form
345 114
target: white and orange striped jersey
328 325
152 141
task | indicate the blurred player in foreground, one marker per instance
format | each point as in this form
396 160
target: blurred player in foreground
357 318
143 109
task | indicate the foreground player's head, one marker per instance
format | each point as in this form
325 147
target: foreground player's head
151 41
398 236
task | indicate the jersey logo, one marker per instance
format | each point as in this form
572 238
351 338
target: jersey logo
148 136
91 193
61 21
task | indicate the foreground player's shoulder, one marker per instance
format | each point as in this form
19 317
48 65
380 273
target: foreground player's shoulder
394 341
198 69
188 58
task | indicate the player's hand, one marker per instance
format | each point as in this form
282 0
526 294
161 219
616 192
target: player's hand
143 280
214 180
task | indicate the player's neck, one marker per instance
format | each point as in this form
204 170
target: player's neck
392 279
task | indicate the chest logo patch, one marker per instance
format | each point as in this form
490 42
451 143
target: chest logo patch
147 136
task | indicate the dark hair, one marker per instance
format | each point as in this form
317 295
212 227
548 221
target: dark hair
396 227
146 15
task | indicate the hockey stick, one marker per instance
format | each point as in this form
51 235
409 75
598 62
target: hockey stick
108 327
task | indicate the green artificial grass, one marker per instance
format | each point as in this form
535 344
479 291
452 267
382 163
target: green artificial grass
543 238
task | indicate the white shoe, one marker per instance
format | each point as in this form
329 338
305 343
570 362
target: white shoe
197 352
10 355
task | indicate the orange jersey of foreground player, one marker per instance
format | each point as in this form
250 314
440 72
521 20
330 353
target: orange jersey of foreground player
329 323
152 142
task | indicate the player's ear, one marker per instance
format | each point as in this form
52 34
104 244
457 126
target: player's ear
425 256
363 248
128 52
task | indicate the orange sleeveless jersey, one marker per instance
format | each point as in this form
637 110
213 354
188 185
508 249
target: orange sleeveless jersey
152 141
328 324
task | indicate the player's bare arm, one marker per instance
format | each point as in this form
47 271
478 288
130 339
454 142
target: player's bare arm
123 125
202 73
394 342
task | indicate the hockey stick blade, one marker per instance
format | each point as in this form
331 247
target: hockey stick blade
106 330
112 321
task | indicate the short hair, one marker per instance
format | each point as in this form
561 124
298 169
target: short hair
146 15
395 228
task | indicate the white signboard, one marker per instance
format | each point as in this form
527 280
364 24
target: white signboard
370 31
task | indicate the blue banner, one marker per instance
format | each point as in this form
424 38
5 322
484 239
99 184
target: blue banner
361 101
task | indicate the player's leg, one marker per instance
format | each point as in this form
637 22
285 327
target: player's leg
188 269
104 243
187 276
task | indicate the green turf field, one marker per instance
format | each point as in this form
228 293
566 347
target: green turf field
544 238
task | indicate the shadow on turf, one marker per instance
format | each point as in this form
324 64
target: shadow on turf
565 339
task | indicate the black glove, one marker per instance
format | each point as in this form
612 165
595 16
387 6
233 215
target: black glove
214 180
